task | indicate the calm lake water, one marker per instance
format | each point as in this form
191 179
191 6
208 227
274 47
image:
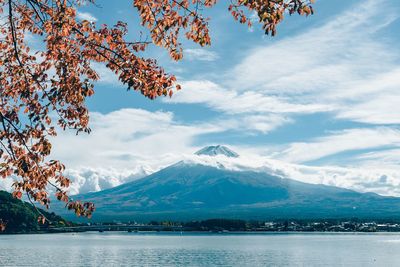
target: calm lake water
140 249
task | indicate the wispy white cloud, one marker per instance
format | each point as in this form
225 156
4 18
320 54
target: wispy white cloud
321 58
342 141
200 54
262 123
373 101
233 102
86 16
247 111
387 157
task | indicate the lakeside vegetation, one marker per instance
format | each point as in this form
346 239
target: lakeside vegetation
228 225
22 217
344 225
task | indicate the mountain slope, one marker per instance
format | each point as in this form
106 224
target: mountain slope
187 191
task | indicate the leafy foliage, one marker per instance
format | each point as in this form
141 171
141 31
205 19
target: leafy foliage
42 89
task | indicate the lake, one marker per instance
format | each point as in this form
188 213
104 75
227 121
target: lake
169 249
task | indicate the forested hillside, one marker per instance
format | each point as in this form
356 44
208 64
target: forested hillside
21 217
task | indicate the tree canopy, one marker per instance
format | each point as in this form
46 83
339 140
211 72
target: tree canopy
44 90
20 217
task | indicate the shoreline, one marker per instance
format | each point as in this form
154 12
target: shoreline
222 233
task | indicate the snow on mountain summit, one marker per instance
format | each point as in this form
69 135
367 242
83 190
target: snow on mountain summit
217 150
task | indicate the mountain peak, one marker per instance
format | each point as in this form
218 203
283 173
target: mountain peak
217 150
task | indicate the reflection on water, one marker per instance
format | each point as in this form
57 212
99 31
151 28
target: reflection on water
137 249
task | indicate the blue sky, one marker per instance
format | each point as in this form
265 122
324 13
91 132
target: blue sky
321 98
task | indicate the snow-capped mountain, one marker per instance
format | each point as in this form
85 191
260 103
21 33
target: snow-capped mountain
204 186
362 179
